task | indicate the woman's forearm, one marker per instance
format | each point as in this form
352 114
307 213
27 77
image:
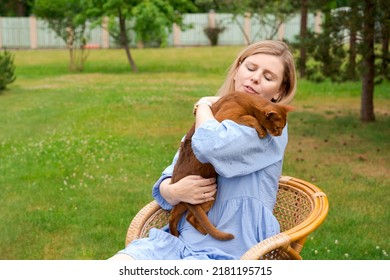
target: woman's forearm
203 112
166 193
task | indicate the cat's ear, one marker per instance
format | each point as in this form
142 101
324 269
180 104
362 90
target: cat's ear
271 114
289 108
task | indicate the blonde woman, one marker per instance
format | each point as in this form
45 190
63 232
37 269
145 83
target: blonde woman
248 167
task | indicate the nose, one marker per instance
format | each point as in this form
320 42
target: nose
255 79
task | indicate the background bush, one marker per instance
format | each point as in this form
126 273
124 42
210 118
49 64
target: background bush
7 69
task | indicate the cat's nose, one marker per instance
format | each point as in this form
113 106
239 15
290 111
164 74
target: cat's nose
277 132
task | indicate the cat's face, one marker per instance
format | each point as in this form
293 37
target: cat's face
276 119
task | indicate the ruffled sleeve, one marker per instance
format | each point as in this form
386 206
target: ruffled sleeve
236 150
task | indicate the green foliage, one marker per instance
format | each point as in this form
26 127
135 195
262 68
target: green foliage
63 14
7 69
154 19
12 8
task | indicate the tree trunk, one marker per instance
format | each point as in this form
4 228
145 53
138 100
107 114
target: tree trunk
385 26
354 22
303 35
367 100
70 45
125 41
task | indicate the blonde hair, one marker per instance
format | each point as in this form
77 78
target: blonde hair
271 47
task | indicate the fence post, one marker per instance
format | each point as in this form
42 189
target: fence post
33 33
318 22
281 31
176 35
211 18
105 34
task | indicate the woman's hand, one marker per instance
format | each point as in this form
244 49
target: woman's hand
193 189
203 111
211 99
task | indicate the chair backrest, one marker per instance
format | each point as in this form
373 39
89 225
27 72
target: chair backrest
300 209
292 206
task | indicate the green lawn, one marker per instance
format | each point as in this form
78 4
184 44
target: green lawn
79 153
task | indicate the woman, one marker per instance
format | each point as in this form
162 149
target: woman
248 167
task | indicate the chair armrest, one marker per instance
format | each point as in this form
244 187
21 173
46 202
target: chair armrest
151 215
274 247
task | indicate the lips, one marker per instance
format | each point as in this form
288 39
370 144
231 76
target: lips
250 89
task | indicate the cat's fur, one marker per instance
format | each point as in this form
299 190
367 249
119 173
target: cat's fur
242 108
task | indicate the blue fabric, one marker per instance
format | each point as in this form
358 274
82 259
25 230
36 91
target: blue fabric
249 169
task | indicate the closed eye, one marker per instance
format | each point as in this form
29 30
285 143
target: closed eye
269 76
251 67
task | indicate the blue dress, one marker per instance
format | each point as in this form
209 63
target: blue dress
249 170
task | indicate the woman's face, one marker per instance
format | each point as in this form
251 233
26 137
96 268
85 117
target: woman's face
260 74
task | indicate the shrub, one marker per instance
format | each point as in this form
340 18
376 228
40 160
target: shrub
7 69
213 34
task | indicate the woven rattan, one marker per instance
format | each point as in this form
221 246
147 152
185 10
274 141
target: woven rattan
300 208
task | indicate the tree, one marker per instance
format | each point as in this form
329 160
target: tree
7 69
20 8
354 27
384 22
367 100
66 18
153 19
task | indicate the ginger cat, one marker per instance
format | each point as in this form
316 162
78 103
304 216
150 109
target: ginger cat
242 108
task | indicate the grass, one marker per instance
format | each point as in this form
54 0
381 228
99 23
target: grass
79 153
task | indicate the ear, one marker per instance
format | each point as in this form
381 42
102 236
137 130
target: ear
235 72
271 114
288 108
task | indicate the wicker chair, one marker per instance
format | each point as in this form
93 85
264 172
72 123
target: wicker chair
300 208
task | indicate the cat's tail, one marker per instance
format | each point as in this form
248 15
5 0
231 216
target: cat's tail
204 221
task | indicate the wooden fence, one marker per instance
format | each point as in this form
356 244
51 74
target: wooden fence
33 33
